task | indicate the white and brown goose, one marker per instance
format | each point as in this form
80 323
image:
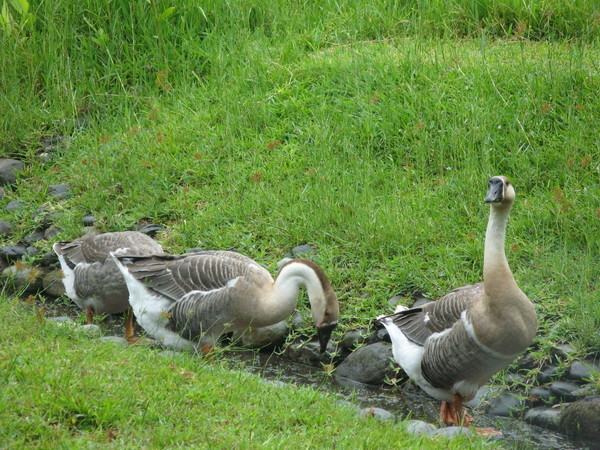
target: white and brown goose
452 346
188 301
93 280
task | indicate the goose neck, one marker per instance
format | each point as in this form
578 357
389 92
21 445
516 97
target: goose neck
496 271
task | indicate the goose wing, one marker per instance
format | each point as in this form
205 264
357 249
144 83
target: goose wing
175 276
419 324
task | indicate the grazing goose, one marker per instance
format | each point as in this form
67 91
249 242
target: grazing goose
91 277
192 299
452 346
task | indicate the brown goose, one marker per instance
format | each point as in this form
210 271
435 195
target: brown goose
452 346
91 277
190 300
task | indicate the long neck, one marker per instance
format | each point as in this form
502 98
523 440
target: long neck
497 275
284 294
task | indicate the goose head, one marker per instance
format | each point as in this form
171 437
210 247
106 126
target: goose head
500 191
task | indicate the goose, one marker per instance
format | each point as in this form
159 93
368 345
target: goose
189 301
452 346
91 277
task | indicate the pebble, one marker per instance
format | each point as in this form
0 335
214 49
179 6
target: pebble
151 229
13 252
88 220
61 191
15 205
563 350
450 432
51 232
195 250
52 283
9 168
5 227
505 404
60 319
116 340
34 237
303 250
369 364
266 336
540 395
377 413
582 370
419 427
543 416
548 374
564 390
92 330
354 338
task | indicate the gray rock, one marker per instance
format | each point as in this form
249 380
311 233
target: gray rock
582 418
377 413
418 427
514 378
540 395
60 319
506 404
12 252
151 229
2 193
482 398
370 364
5 228
88 220
298 322
383 335
9 168
49 259
91 330
353 338
32 251
548 374
14 206
34 237
564 390
45 217
264 337
52 232
309 353
61 191
303 250
53 284
544 416
450 432
582 370
52 143
392 302
563 350
25 277
584 391
115 340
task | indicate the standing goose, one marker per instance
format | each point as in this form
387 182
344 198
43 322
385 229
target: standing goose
452 346
91 277
185 300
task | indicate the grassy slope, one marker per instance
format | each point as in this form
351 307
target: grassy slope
53 392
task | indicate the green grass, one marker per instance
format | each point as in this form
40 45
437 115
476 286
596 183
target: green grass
61 388
366 130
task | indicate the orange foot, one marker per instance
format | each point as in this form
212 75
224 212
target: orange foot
453 413
487 431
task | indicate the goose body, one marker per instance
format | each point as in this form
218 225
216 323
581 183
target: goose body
452 346
190 300
91 277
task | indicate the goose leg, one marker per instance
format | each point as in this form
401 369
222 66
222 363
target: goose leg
129 334
89 315
453 413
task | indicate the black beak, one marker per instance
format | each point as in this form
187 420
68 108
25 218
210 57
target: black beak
495 191
324 334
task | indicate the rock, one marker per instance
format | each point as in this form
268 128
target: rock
482 398
395 300
52 143
9 168
418 427
544 416
582 370
34 237
298 322
61 191
505 404
60 320
5 228
88 220
14 206
92 330
303 250
377 413
371 364
354 338
540 395
32 251
383 335
44 216
582 418
450 432
52 232
12 252
564 390
2 193
583 391
151 229
527 361
514 378
25 277
49 259
272 335
548 374
115 340
563 350
309 353
53 284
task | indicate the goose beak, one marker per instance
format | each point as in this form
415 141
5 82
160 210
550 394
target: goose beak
495 190
324 333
